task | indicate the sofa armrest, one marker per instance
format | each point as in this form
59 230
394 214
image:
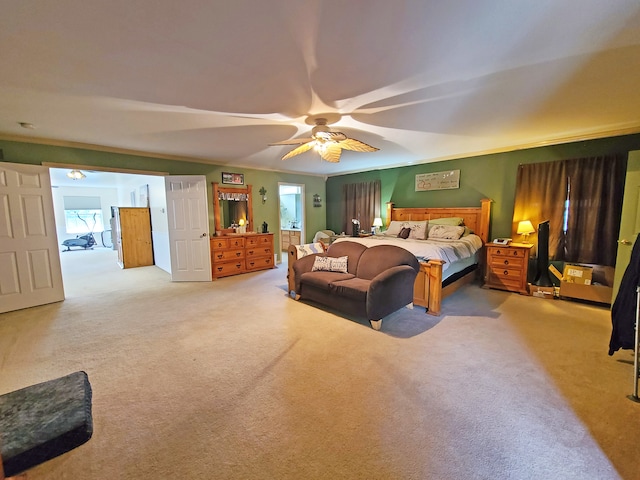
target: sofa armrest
390 290
300 266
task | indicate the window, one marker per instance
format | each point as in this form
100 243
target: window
83 221
582 200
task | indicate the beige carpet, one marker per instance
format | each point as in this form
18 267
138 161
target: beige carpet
234 380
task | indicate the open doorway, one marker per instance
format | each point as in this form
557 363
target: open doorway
84 205
291 212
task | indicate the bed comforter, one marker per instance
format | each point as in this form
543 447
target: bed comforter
450 251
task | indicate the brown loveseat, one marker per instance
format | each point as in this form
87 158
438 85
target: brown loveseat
378 280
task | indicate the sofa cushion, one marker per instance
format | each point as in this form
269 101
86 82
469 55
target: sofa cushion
321 279
355 288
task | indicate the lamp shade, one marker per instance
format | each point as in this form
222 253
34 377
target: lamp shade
525 228
377 222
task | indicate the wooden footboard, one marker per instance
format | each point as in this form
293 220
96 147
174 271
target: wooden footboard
428 291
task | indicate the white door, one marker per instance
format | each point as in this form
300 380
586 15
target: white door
30 272
630 219
188 218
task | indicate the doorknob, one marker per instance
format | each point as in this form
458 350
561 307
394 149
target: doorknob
624 242
203 235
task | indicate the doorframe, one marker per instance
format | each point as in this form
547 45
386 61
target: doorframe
303 220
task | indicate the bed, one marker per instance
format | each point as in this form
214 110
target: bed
445 265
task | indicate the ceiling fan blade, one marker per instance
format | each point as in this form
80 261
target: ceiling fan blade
331 153
293 141
356 145
299 150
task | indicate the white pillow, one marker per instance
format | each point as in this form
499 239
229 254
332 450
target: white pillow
446 232
418 229
330 264
394 228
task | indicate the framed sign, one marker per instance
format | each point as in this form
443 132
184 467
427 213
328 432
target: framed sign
233 178
438 181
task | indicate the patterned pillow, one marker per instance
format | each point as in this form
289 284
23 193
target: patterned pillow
339 264
446 232
404 233
322 264
330 264
418 229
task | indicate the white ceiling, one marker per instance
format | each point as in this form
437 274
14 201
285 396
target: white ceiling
217 81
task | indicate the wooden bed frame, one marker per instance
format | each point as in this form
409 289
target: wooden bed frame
428 291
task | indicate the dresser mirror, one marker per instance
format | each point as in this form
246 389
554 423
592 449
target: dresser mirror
232 207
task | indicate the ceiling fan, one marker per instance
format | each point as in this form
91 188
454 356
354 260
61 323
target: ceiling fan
327 143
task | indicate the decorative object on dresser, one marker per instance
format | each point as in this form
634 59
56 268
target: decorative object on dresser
241 253
507 267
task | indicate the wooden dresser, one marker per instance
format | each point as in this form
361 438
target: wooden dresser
507 267
241 253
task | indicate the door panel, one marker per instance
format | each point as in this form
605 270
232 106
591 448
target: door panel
30 272
630 218
188 214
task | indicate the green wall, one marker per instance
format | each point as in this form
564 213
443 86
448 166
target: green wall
488 176
18 152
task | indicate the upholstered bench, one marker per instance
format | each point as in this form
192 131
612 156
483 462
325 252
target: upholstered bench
40 422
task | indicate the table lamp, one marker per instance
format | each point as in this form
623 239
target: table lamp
377 223
525 228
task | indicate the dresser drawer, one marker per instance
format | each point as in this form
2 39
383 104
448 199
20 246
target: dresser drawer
259 252
497 261
218 243
228 268
227 255
259 263
505 276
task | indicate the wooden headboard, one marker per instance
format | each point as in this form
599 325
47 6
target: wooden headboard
476 218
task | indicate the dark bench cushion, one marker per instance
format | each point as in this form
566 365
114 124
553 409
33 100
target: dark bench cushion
355 288
40 422
321 279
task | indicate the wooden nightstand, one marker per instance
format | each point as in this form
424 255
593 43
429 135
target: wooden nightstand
507 267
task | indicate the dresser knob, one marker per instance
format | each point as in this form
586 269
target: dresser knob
506 272
506 262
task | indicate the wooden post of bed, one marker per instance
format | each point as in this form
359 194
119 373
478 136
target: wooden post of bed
428 291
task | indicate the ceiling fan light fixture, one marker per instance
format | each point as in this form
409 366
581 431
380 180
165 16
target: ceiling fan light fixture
76 174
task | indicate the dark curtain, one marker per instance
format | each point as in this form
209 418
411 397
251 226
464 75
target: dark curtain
360 201
594 187
541 190
595 206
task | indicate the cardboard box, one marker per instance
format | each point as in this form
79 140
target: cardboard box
579 274
600 290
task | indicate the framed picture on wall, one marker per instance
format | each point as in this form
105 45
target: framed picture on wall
233 178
